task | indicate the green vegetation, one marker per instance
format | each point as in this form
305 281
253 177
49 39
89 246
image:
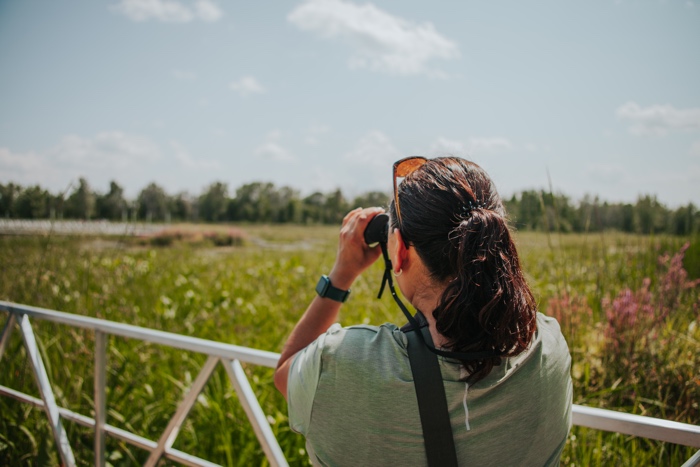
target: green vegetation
628 308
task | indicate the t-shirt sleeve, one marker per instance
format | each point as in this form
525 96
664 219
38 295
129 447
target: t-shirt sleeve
302 382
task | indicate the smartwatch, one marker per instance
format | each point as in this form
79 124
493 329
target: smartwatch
325 289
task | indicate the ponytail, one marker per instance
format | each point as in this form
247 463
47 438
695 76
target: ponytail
488 305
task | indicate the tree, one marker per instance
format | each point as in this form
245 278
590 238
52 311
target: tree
8 197
153 203
529 210
627 215
81 203
372 198
650 215
285 205
682 222
253 202
184 207
112 206
312 207
335 207
213 202
32 203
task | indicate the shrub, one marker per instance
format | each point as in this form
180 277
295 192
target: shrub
169 237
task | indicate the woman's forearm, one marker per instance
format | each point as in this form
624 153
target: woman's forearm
354 256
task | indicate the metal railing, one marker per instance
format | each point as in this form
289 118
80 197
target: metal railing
230 356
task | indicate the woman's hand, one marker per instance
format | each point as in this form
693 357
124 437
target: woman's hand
354 255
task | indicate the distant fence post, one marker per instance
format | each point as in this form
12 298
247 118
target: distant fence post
100 396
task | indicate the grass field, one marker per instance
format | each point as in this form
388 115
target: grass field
628 310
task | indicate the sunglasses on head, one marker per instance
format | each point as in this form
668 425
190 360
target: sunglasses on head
402 169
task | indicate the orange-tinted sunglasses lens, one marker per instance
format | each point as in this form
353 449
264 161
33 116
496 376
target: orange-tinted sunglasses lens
404 168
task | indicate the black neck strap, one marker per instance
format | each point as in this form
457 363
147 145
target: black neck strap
432 402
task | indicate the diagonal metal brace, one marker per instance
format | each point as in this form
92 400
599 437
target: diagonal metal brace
6 331
173 429
693 461
42 380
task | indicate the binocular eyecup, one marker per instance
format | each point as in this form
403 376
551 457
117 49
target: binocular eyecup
377 231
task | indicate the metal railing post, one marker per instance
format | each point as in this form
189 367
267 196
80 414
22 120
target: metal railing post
42 380
100 396
257 418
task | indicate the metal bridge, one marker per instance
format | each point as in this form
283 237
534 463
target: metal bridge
230 356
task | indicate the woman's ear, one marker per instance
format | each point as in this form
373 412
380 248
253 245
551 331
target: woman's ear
399 251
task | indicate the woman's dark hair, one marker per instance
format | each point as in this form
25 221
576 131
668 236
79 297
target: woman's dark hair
455 219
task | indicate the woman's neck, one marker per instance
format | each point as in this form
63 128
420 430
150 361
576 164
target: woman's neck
427 301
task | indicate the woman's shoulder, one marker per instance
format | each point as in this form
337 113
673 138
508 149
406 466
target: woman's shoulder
549 333
365 343
548 354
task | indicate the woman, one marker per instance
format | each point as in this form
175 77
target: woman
350 390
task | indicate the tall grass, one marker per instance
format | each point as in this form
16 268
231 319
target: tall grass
252 294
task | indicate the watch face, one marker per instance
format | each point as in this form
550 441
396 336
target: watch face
322 286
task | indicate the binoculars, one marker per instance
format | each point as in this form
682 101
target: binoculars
377 231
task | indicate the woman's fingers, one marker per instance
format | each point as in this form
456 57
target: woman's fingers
354 255
355 223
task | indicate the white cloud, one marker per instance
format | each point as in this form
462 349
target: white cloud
444 146
247 86
323 180
374 150
187 161
659 119
112 149
16 167
207 10
273 151
379 41
478 145
112 155
169 11
367 166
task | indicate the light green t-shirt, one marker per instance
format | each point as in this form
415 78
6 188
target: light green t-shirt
351 395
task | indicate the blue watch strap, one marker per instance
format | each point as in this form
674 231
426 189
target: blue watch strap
325 289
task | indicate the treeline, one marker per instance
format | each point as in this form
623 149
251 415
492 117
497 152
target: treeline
540 210
253 202
266 203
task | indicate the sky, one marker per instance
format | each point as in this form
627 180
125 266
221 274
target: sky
598 98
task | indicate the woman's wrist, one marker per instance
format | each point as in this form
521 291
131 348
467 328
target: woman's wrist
341 279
